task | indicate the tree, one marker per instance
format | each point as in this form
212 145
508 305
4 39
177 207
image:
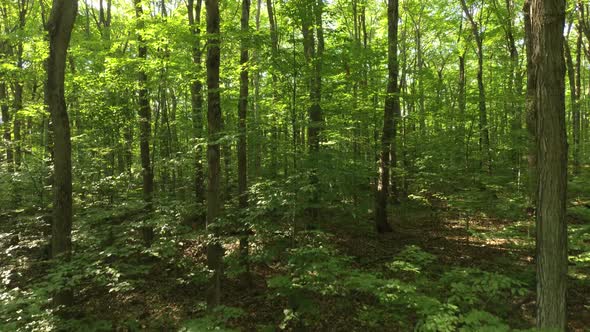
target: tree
484 134
242 129
59 27
145 125
214 121
530 104
389 118
194 19
6 126
548 19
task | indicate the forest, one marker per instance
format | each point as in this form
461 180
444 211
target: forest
295 165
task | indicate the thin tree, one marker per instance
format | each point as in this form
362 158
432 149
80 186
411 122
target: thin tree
313 48
59 28
389 114
6 135
530 105
145 127
215 123
484 135
548 19
576 110
194 19
242 129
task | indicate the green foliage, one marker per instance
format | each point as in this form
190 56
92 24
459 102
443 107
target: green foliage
213 321
477 320
471 287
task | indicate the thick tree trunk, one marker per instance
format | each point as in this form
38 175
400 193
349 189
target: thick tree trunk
389 115
548 18
145 123
214 121
59 27
242 130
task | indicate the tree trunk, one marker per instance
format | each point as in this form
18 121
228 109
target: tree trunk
576 110
531 107
59 27
462 106
6 124
242 130
274 44
389 114
194 18
145 123
574 96
514 88
484 135
548 18
313 47
24 8
214 121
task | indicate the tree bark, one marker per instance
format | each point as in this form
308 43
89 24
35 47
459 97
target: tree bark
194 18
389 114
242 130
145 123
484 135
576 110
313 48
548 18
531 107
59 27
6 135
574 103
274 46
214 121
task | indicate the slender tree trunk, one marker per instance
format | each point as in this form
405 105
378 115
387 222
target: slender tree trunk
294 125
214 120
274 44
462 103
59 27
576 110
256 143
194 18
574 103
18 139
312 29
389 114
242 129
484 134
420 65
548 18
145 123
6 124
514 87
24 7
531 107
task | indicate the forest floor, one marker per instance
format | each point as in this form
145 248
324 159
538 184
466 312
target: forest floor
446 248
